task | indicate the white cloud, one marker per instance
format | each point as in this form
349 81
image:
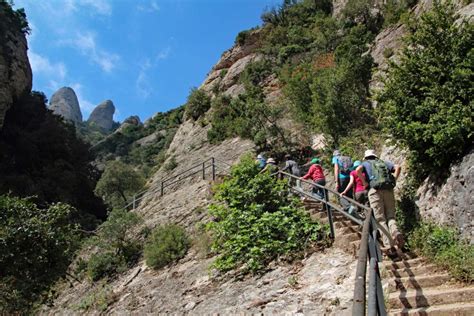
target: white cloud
87 46
101 6
42 65
164 53
142 83
149 7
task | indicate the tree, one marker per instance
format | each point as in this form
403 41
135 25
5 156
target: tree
118 184
427 101
36 246
198 103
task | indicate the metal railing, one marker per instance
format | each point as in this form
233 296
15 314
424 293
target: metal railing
369 251
199 168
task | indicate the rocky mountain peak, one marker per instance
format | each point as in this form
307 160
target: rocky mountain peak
103 114
64 102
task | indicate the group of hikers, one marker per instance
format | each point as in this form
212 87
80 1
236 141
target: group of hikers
369 182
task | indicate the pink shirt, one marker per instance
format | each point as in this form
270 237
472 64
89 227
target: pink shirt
359 186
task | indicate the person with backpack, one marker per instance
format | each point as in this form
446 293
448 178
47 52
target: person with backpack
260 161
271 166
292 167
357 187
342 168
381 179
316 174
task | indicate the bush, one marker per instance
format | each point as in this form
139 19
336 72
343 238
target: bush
115 250
256 221
443 246
36 247
427 100
166 244
198 103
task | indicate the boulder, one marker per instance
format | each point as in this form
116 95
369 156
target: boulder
133 120
451 202
65 104
103 115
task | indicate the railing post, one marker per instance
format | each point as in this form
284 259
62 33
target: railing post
213 169
162 188
134 199
329 212
204 170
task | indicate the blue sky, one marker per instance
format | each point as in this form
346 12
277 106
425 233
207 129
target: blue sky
143 55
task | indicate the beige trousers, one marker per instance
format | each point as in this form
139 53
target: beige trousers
383 204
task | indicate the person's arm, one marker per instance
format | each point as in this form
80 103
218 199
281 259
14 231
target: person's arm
360 174
397 170
287 165
308 175
349 185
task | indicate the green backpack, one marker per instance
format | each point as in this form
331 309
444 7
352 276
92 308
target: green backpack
381 177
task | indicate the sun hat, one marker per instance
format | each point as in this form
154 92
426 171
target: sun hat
357 163
271 160
336 153
260 156
315 160
370 153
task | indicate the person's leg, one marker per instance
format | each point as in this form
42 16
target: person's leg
377 204
389 206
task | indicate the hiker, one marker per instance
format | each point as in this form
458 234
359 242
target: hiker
316 174
292 167
381 179
261 161
271 166
342 168
357 187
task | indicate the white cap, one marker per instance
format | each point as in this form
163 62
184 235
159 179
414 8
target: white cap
271 160
370 153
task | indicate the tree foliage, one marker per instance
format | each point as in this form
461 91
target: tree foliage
36 246
41 156
197 104
427 101
166 244
256 221
118 184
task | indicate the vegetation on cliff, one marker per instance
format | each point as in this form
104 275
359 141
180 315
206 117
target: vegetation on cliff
257 221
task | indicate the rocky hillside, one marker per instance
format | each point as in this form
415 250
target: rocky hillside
15 69
322 282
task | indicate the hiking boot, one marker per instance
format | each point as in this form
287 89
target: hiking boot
390 252
399 240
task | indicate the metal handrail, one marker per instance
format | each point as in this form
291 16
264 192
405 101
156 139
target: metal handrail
369 251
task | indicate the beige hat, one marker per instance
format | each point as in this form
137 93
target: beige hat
271 160
370 153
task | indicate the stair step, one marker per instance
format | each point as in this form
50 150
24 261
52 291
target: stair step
405 256
350 237
345 223
429 297
418 282
403 264
457 309
426 269
348 230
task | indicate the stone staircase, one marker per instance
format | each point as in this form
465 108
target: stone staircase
416 287
413 286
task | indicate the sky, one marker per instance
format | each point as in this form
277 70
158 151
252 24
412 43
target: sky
144 55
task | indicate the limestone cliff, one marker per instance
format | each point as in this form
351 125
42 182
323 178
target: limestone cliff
15 69
64 103
103 114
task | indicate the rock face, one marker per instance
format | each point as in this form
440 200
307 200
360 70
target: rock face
452 202
15 69
64 103
129 121
103 114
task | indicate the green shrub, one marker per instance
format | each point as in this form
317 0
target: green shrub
166 244
198 103
36 247
115 250
443 246
171 164
256 221
427 100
